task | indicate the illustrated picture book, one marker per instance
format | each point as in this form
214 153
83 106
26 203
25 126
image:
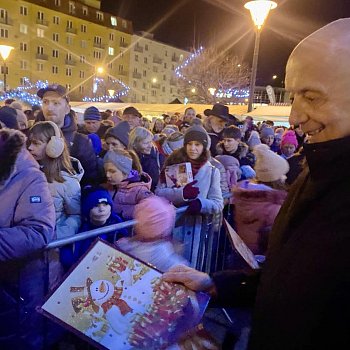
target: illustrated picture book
241 247
178 175
115 301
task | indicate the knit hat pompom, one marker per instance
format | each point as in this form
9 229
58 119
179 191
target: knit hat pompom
269 166
92 113
289 137
120 159
197 133
155 218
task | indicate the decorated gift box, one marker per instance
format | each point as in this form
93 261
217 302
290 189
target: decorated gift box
115 301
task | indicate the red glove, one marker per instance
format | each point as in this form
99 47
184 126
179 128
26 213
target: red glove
194 207
190 192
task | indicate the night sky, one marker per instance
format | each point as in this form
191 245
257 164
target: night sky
188 23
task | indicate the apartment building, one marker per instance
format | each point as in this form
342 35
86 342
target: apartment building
66 42
151 74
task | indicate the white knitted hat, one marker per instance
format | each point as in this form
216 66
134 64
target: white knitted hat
269 166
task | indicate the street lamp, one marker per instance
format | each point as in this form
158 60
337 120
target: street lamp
100 70
5 51
212 91
259 10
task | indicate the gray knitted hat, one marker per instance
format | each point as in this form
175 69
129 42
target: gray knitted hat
120 160
120 132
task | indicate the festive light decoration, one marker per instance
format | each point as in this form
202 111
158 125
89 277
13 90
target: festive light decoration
186 62
107 98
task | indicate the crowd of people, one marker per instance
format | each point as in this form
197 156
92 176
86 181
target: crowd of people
59 178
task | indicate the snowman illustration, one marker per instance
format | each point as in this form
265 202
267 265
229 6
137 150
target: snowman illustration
121 302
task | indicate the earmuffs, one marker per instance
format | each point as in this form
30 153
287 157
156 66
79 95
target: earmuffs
55 146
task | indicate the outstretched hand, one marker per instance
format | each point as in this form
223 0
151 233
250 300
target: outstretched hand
191 278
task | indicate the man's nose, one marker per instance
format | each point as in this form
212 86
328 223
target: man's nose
297 115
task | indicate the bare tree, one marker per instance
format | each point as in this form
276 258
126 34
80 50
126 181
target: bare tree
213 76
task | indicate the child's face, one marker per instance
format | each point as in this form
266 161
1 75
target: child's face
113 174
100 213
230 145
288 149
37 148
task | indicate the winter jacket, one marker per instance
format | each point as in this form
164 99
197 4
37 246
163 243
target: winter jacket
303 297
152 164
223 175
27 222
81 148
129 193
248 159
66 198
210 195
256 207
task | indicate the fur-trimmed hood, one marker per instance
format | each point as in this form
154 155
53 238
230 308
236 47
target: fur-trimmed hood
11 143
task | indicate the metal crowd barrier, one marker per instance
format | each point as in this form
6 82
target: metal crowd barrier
201 237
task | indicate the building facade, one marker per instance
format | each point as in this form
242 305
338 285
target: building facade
66 42
151 74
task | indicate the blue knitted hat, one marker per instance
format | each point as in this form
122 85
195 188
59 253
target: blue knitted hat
92 198
92 113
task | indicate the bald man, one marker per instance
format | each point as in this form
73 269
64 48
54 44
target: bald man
303 294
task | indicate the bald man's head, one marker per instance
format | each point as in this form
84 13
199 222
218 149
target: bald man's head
318 78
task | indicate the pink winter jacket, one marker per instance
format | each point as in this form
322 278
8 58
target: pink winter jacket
256 207
129 194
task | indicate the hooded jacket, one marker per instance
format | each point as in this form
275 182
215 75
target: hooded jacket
129 193
27 222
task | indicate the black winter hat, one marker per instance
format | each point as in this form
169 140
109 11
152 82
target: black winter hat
8 116
196 133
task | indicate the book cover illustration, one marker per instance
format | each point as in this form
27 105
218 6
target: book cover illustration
121 303
241 247
178 175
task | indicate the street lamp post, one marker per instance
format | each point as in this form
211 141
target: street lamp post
5 51
259 10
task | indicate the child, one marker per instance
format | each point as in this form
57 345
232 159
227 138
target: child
289 144
258 202
155 220
47 146
96 212
128 184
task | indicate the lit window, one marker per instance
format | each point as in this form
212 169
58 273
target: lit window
23 28
111 51
114 21
40 33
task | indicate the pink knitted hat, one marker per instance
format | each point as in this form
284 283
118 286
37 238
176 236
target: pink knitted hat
289 138
155 218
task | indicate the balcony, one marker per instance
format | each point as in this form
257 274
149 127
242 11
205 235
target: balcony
124 73
136 75
70 62
98 45
157 60
41 56
174 58
123 44
71 30
42 22
138 48
155 86
6 21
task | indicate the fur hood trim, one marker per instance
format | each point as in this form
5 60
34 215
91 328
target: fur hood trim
271 196
11 143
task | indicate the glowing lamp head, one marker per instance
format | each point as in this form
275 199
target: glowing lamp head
259 10
100 70
5 51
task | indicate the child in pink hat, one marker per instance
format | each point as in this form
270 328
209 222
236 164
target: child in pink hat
151 243
289 144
